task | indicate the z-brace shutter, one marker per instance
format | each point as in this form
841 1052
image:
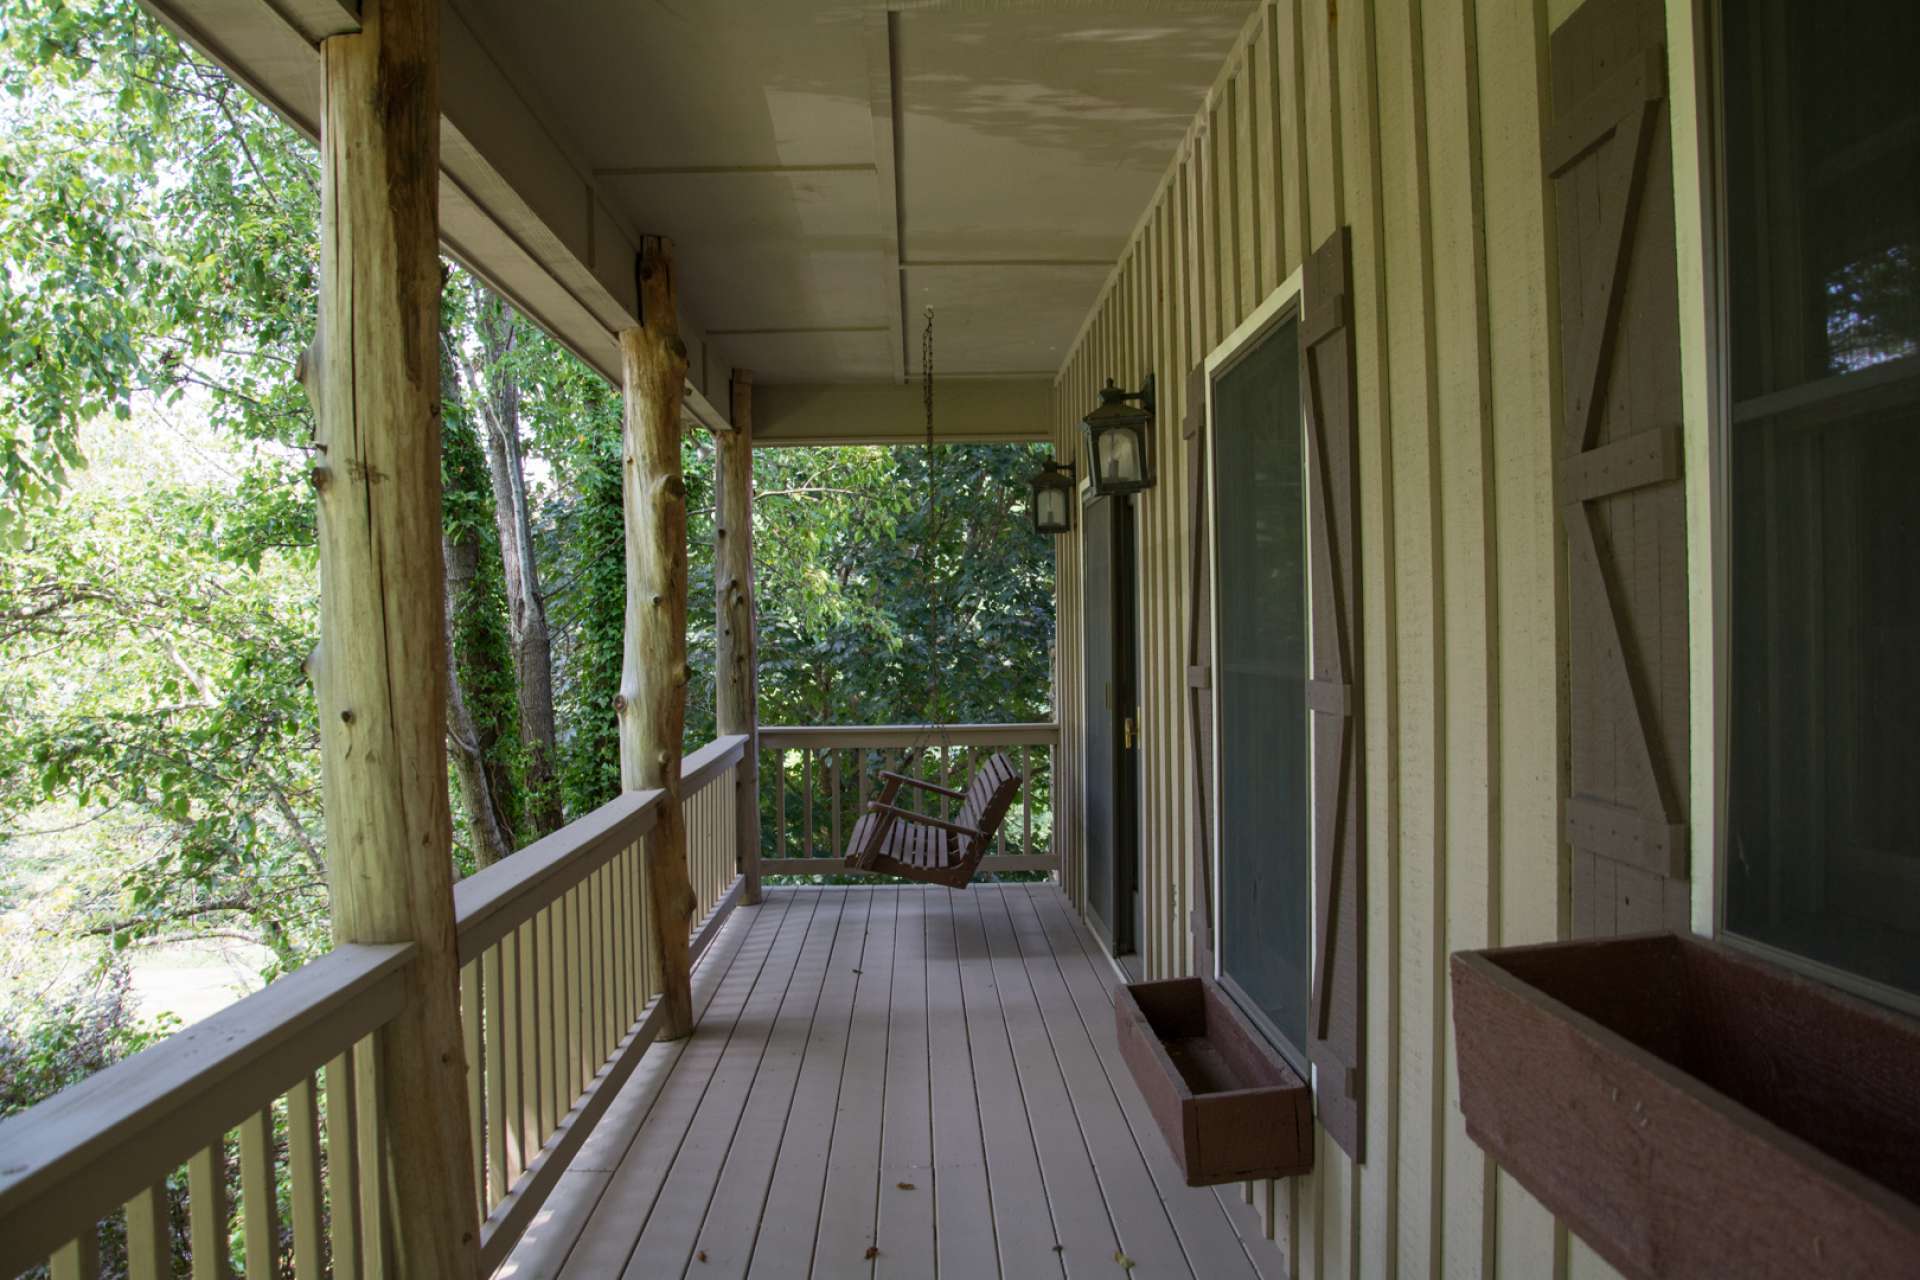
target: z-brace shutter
1336 1034
1622 502
1200 669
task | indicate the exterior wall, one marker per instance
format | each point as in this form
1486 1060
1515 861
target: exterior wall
1419 123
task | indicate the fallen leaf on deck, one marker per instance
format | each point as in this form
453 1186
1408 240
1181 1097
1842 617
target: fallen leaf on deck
1126 1263
701 1256
872 1253
906 1186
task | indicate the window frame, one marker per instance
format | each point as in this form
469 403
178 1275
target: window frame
1287 301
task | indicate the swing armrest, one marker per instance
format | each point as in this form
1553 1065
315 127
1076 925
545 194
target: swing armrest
955 792
909 815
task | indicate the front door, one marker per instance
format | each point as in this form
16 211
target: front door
1112 720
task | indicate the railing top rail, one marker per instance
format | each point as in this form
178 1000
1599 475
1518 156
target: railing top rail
75 1157
1036 733
710 761
493 902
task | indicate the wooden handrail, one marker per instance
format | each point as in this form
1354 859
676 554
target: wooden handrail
76 1157
495 901
81 1154
1035 734
490 904
710 761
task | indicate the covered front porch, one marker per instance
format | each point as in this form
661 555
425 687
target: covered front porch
1434 302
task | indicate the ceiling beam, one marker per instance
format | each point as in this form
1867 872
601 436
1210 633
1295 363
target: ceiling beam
726 170
883 91
973 411
318 19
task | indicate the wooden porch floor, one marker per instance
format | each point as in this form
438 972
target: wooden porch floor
890 1082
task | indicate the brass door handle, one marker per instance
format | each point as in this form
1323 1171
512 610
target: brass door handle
1127 733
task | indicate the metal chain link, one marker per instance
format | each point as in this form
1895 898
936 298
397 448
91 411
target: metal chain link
930 545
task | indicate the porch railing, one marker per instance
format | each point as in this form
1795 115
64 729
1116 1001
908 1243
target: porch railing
558 1001
816 780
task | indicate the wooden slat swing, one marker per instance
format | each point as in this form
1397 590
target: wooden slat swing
892 840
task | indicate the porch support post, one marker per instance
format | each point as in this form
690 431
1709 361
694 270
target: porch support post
652 705
380 673
736 703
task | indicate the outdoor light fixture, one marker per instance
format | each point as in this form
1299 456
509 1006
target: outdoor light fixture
1053 498
1120 440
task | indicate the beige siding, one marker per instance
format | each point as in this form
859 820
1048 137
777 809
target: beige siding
1417 122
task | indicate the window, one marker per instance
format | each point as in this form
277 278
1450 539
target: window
1822 246
1261 651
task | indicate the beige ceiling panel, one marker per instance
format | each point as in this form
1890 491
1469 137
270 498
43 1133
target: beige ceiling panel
676 83
970 409
856 355
768 250
999 319
1042 135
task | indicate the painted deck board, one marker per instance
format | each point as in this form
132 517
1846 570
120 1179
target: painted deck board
904 1227
856 1039
678 1210
1212 1247
606 1241
727 1236
847 1202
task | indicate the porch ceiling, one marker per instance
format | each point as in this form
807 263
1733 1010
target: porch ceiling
826 168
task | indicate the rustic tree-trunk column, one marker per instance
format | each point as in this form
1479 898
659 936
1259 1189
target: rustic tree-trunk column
652 705
735 701
380 673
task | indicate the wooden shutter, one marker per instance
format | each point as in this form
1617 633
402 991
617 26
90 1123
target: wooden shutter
1200 669
1622 503
1336 1034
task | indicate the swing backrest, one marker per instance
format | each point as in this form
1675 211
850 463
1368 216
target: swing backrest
989 796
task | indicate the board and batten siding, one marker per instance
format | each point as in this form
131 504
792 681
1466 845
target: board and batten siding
1419 124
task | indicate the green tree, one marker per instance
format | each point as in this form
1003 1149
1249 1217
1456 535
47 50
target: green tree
482 715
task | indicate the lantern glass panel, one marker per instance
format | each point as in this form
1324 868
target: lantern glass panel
1051 508
1119 461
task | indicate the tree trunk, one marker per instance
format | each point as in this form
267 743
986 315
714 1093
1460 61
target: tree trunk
652 706
497 392
380 670
481 715
491 838
735 700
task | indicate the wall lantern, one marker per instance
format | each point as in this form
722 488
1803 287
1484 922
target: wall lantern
1120 440
1053 498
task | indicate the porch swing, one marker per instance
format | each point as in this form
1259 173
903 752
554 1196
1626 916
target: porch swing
891 839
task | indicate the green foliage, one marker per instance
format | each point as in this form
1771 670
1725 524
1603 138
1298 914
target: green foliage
156 235
142 670
590 540
874 609
482 647
64 1032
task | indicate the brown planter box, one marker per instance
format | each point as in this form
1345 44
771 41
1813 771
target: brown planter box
1691 1110
1230 1107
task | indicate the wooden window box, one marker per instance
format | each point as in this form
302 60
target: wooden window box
1230 1107
1691 1110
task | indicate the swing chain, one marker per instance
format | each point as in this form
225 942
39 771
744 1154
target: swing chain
931 544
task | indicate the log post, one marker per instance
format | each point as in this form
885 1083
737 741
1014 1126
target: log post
652 705
735 700
380 672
